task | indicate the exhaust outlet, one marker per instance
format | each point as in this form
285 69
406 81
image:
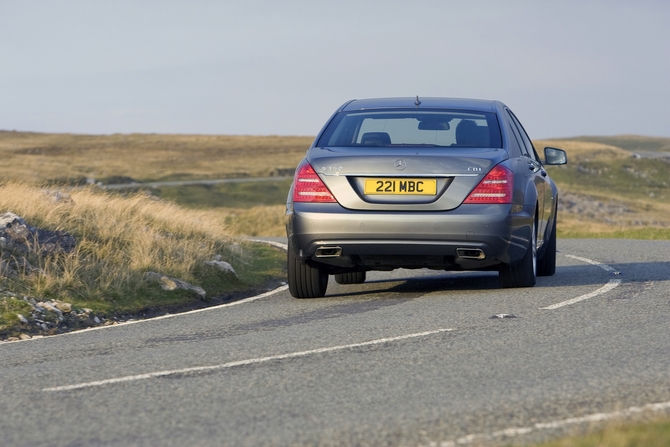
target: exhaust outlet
470 253
328 252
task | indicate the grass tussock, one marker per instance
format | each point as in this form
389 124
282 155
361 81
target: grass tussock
119 239
256 221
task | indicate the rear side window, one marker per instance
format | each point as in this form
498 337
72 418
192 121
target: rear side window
527 143
413 128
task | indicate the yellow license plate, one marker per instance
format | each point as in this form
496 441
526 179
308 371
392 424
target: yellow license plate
426 187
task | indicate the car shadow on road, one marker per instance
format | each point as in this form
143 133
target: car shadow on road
565 276
415 286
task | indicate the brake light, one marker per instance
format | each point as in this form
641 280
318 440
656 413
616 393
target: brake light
308 186
495 188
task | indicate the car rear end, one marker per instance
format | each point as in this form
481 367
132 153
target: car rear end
390 185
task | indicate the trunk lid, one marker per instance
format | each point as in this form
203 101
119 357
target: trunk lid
416 179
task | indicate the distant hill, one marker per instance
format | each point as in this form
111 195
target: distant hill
632 143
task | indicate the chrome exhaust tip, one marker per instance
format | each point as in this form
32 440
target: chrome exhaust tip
470 253
328 252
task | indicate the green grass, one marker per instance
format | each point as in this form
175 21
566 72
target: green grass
227 195
10 308
626 178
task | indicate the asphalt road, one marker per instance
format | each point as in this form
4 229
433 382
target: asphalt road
410 358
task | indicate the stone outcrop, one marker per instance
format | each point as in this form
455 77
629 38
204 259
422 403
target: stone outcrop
18 240
16 235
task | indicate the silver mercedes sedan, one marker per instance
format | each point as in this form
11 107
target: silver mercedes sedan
437 183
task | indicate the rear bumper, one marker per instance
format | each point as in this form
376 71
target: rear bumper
387 240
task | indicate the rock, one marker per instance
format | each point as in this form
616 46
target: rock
6 219
50 307
222 265
168 283
234 248
22 318
64 307
17 235
58 197
25 337
22 264
6 269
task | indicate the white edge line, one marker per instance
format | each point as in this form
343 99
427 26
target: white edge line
605 267
516 431
162 317
239 362
611 284
273 243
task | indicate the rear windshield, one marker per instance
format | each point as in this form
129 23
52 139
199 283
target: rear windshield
412 128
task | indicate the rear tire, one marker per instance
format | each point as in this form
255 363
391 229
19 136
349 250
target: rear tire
547 265
350 278
522 274
305 281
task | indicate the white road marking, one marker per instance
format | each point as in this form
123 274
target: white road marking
163 317
196 369
611 284
517 431
605 267
273 243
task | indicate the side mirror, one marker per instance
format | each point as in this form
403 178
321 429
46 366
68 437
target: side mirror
554 156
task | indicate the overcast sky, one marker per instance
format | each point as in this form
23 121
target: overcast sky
247 67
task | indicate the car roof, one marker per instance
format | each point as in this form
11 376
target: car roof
428 102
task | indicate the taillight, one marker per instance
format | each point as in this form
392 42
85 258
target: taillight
308 187
495 188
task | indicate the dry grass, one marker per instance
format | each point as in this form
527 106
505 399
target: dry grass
633 143
145 157
256 221
118 240
580 150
